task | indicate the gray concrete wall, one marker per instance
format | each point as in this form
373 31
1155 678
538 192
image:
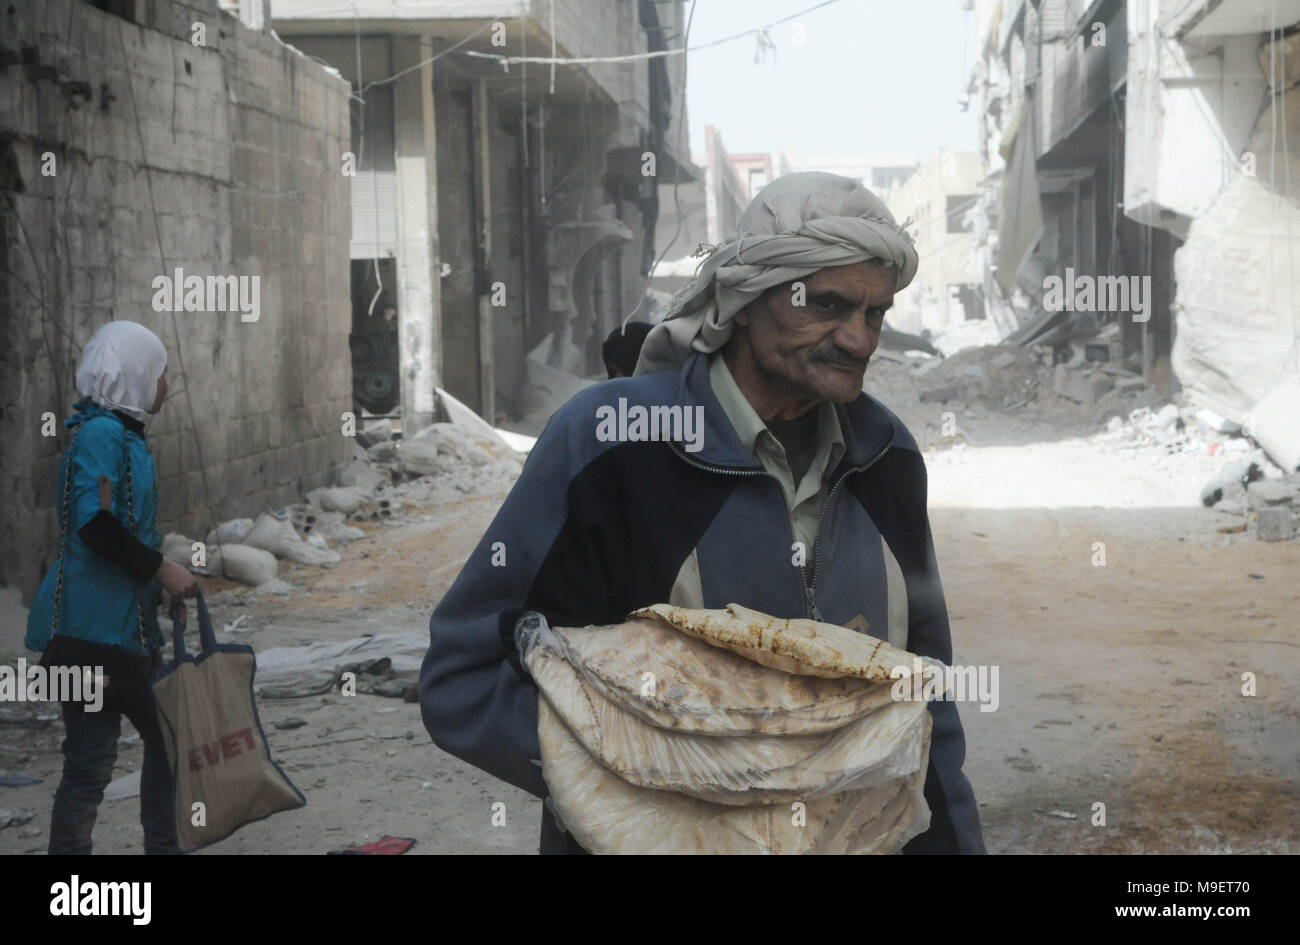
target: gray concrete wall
242 138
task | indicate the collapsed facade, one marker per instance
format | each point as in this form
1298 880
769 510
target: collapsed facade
1148 143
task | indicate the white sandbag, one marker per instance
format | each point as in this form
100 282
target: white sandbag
346 499
232 532
332 526
277 535
178 548
243 563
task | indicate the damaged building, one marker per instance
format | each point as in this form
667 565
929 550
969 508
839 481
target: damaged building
1147 146
138 139
500 207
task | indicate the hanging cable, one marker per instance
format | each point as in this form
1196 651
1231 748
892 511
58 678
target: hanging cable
676 176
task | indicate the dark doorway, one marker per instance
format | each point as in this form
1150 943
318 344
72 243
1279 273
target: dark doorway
376 385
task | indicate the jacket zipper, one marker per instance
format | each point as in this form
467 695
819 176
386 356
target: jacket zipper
808 587
821 522
722 470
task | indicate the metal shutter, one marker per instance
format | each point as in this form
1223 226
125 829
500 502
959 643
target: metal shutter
374 203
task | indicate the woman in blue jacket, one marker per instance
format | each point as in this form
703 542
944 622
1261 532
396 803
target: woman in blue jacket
96 607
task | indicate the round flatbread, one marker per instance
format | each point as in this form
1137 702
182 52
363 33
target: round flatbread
607 814
798 646
676 681
876 748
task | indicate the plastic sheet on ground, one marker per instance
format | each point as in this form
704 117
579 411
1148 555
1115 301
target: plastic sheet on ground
385 664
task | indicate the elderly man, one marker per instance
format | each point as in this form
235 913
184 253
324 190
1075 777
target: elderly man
792 493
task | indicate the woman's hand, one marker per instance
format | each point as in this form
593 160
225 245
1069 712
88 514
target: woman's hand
175 580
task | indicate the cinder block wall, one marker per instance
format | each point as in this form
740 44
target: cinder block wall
242 138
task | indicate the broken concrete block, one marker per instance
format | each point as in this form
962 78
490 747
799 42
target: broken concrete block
420 452
385 452
1166 417
1083 387
1114 425
1272 492
1275 523
364 476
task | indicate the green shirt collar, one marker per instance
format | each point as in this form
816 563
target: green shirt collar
750 428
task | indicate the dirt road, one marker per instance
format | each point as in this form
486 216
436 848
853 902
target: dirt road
1120 682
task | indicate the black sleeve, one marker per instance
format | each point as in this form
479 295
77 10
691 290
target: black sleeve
108 538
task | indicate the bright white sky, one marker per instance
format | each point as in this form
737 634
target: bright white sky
872 76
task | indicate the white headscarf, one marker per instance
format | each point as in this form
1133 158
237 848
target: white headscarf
795 226
120 367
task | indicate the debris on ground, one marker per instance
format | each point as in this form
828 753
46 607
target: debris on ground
385 846
126 786
383 665
14 817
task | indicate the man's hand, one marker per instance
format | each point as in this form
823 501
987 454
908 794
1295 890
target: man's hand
175 580
529 627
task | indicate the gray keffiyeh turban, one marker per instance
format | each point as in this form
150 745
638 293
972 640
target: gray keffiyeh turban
797 225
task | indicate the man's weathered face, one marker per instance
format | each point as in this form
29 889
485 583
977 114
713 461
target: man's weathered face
818 351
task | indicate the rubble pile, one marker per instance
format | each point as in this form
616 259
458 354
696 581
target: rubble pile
995 377
387 482
1241 481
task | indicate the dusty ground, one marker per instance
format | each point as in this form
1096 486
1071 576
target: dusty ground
1120 684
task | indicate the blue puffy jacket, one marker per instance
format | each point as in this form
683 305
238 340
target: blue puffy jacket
593 530
101 602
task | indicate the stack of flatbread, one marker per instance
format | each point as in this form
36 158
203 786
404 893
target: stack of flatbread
729 731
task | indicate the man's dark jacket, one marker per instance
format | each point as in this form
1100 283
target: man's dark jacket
593 530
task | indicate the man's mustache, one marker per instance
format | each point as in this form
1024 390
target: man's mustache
841 359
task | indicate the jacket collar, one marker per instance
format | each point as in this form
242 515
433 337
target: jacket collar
86 409
867 425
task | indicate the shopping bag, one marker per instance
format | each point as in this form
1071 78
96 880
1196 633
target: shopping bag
219 756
